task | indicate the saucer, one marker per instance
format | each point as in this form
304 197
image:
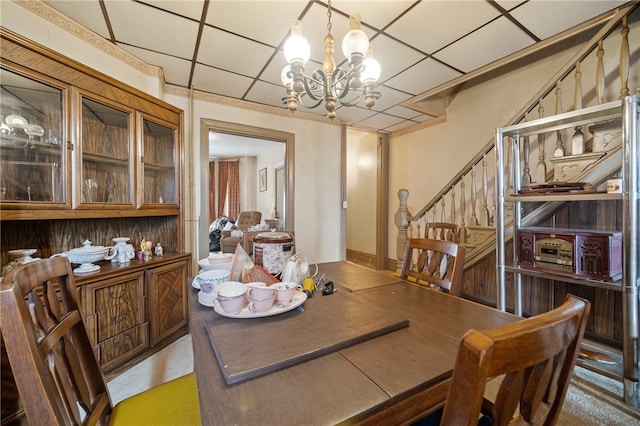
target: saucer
207 299
298 299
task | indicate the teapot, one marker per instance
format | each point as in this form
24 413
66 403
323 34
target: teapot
296 269
124 252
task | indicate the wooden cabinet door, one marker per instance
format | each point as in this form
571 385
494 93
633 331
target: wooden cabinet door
168 301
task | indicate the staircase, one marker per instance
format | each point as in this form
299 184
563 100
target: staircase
461 202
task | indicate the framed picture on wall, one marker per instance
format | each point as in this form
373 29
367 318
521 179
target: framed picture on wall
263 179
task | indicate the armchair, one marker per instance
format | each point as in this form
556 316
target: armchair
228 242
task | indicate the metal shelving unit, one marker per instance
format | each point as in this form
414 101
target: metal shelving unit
626 110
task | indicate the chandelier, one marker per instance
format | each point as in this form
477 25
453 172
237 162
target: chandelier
330 84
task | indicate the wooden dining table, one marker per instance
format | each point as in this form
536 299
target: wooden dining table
377 351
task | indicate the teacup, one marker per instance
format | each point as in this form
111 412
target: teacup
231 296
259 290
285 291
260 305
208 280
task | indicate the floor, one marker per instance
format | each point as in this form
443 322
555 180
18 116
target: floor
592 399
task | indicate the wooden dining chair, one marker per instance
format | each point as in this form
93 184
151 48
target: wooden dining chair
439 264
443 231
536 357
56 372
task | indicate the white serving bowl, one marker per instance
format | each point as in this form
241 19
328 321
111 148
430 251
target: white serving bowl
219 257
205 265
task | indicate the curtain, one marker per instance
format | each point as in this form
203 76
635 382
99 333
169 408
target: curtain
213 214
229 188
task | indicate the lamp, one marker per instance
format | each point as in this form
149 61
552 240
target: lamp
330 83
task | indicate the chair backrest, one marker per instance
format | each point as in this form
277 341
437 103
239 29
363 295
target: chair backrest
439 263
536 357
56 371
247 219
443 231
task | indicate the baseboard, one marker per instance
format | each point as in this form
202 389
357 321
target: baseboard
361 258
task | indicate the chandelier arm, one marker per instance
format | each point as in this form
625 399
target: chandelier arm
310 106
353 103
317 82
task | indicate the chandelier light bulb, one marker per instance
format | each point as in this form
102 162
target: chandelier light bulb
371 68
296 48
355 42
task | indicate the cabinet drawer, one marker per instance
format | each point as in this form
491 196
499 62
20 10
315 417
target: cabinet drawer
119 348
114 294
116 319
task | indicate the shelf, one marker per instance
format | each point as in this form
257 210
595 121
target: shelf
622 114
607 285
159 167
591 115
563 197
105 159
20 143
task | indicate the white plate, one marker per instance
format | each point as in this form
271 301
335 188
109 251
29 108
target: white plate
33 130
298 299
16 121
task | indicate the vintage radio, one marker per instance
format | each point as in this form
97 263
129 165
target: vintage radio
575 252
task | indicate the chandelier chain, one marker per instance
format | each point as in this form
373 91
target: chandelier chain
329 16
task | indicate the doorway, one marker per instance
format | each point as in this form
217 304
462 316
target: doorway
287 178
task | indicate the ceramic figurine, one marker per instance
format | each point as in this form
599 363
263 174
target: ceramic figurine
159 251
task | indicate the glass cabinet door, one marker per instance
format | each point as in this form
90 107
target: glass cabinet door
159 163
32 148
106 154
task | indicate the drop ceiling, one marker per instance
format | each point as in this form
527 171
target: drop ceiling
234 48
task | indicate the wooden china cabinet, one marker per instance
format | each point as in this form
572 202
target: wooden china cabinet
85 157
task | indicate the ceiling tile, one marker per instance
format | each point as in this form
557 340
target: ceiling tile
189 8
218 81
252 18
374 13
152 32
233 53
472 52
87 13
548 18
380 121
426 74
389 98
432 25
352 115
176 71
393 57
272 72
400 111
266 93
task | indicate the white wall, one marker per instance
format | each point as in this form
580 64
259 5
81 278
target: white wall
270 159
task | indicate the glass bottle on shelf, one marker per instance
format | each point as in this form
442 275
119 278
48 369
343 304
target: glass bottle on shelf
106 153
159 151
31 168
